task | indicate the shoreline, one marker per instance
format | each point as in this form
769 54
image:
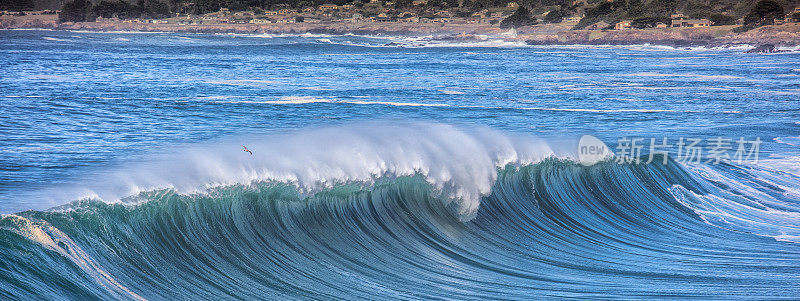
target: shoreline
787 35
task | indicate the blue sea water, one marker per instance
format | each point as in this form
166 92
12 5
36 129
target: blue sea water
388 167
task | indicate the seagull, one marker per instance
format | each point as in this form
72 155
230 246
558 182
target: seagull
246 150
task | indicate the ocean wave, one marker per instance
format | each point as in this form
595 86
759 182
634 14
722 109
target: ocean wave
461 163
544 226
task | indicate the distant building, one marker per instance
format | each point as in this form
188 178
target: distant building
112 19
623 25
328 7
512 5
481 14
678 16
419 2
661 25
572 20
691 23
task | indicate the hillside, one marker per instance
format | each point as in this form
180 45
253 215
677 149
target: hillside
604 9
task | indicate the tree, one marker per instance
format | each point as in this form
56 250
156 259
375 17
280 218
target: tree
763 13
602 9
634 8
403 3
648 22
520 17
153 9
554 16
76 11
16 5
721 19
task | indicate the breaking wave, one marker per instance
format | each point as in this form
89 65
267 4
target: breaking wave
419 211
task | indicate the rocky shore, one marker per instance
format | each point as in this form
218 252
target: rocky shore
787 35
716 36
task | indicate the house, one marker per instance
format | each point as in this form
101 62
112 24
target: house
329 7
677 16
623 25
381 19
481 14
791 17
512 5
271 13
348 6
259 21
112 19
691 23
308 9
444 14
285 11
572 20
661 25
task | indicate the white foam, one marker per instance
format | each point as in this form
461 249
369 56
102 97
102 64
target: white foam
744 205
56 39
460 163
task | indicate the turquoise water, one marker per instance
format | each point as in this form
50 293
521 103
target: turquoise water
424 169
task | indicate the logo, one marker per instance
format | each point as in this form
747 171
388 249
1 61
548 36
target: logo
591 150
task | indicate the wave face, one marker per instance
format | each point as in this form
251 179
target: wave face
461 163
548 229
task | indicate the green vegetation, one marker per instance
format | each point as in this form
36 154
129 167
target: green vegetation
763 13
642 13
555 16
16 5
649 22
521 17
76 11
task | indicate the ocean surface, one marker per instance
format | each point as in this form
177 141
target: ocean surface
392 168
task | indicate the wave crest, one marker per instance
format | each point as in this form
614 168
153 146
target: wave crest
459 163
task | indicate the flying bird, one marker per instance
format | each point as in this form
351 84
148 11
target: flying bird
246 150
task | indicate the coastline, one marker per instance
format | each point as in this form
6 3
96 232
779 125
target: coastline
787 35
